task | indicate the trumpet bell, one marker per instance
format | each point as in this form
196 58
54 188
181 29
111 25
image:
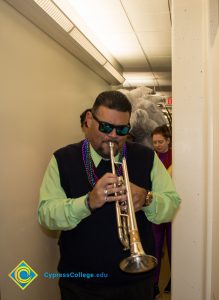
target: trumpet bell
138 263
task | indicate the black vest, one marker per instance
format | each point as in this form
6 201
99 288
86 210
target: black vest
93 245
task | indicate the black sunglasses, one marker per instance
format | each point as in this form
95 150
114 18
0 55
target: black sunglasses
107 127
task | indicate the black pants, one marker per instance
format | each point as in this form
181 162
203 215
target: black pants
142 290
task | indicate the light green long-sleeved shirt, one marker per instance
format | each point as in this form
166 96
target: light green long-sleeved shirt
57 212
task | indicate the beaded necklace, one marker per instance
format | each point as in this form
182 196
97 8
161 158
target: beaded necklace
89 165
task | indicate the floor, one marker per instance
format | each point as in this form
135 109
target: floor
164 276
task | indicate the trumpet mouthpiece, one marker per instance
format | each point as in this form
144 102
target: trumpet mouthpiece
111 143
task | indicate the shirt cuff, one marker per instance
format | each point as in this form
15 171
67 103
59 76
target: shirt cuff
79 209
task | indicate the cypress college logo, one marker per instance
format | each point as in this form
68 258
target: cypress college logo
23 275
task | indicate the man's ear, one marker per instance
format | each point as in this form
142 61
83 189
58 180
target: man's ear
89 119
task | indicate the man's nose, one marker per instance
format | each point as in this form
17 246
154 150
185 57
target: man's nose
113 133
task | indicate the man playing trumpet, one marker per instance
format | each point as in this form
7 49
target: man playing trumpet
78 197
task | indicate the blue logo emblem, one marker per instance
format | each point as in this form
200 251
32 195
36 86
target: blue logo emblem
23 275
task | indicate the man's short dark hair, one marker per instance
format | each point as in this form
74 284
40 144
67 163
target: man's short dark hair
83 117
113 100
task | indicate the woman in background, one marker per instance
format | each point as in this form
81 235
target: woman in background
161 140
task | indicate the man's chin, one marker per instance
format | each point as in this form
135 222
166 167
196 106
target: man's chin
104 151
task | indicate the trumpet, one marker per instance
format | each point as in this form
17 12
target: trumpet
138 261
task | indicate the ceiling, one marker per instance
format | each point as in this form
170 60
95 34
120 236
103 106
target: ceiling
134 36
138 35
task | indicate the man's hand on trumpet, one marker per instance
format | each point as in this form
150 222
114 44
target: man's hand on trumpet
107 189
139 196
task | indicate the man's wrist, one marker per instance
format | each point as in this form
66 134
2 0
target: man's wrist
87 203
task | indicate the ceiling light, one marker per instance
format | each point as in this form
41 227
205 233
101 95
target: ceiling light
114 72
54 12
87 45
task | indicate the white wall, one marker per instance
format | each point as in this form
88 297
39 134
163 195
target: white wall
189 154
195 129
43 90
213 203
